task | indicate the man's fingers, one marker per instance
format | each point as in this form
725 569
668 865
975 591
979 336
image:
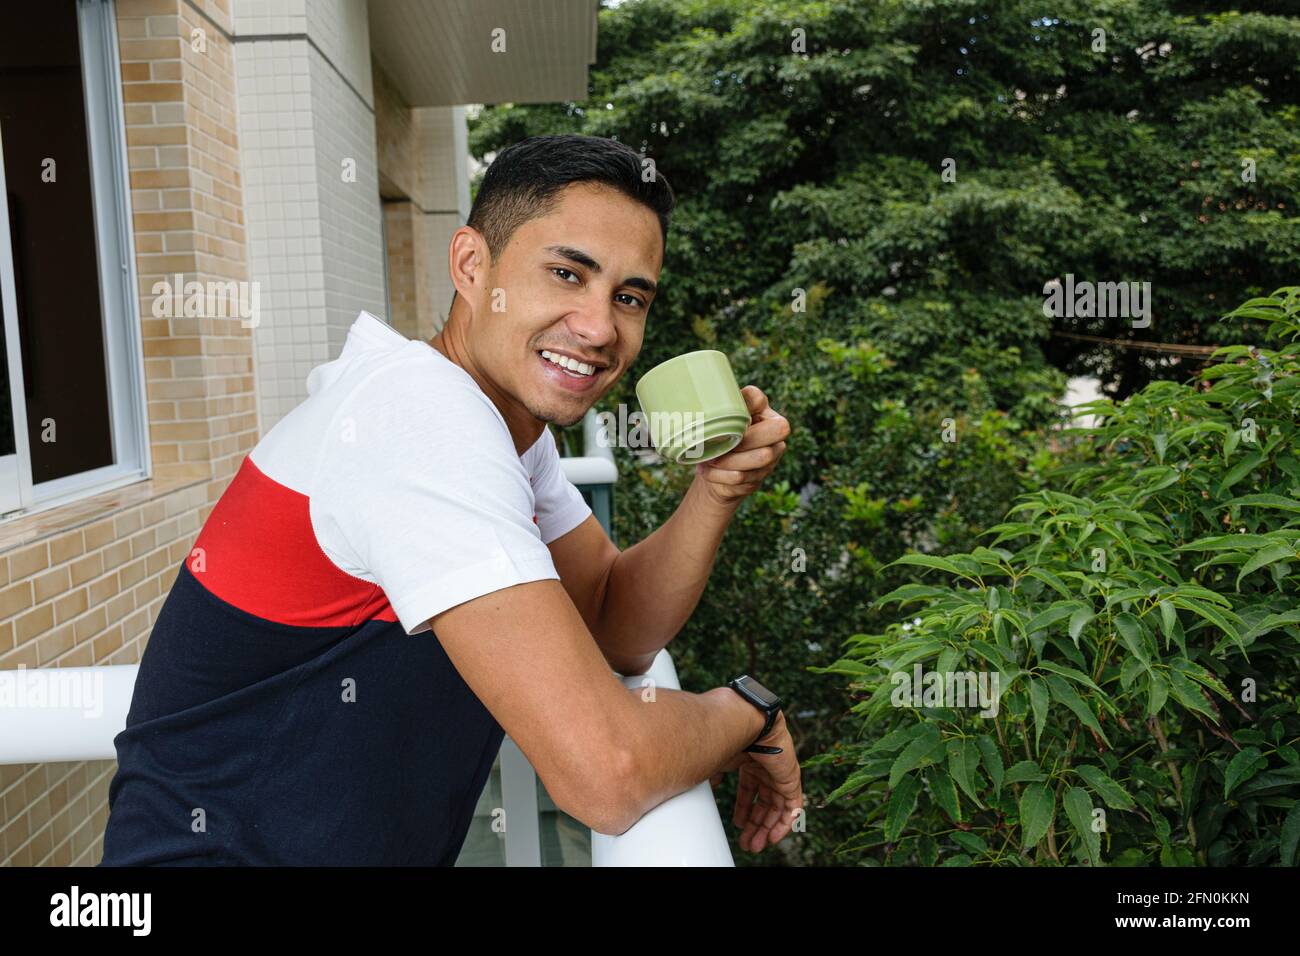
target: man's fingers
760 434
744 798
755 400
750 460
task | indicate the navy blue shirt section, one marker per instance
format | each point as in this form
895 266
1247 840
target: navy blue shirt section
252 724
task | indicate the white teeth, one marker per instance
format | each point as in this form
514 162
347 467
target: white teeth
573 365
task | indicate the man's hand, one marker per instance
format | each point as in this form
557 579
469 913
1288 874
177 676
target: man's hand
730 478
770 794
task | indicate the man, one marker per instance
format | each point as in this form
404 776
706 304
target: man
399 574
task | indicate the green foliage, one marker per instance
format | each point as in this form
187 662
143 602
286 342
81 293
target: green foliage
895 317
1140 615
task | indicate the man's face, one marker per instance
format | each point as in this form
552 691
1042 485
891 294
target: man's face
576 284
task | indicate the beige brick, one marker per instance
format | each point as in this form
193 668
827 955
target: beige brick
36 621
88 567
66 547
90 624
126 523
99 534
16 598
104 588
81 656
71 604
131 573
120 606
116 554
108 642
51 583
29 560
53 643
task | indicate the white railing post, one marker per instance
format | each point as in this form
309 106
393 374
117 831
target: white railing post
685 830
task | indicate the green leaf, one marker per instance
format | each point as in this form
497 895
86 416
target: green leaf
1290 838
1079 677
1188 693
963 761
1038 700
1279 552
1131 632
971 842
1168 620
925 745
992 761
1052 581
1240 470
1067 695
1242 767
928 561
1267 501
1025 770
1037 810
1106 787
1271 623
1078 621
1056 612
1157 693
1078 807
911 592
901 804
1211 614
944 793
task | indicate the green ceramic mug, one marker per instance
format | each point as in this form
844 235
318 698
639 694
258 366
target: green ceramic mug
694 407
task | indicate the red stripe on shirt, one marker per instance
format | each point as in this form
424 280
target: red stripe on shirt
258 552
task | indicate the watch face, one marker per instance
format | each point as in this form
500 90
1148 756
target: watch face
761 692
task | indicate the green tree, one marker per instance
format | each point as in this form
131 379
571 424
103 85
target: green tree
893 314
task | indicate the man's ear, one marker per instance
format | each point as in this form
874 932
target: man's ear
466 256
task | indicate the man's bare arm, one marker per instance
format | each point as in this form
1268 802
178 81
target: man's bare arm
635 601
606 756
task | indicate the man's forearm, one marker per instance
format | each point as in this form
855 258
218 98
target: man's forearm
681 739
654 585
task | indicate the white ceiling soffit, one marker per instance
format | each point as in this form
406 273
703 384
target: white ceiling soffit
439 52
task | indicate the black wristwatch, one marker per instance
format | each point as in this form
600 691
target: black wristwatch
764 700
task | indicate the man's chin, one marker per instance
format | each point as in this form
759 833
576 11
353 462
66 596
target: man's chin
559 417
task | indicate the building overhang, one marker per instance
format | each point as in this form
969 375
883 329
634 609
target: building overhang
485 51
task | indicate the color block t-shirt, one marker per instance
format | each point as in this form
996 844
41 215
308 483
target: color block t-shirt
293 706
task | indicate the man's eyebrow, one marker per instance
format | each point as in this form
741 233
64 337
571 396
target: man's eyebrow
583 259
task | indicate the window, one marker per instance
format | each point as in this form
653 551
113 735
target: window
72 419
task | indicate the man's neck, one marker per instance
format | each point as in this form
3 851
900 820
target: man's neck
524 428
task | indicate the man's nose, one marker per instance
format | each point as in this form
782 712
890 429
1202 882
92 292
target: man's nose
594 323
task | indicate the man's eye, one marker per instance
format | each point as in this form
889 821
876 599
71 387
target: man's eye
564 270
632 300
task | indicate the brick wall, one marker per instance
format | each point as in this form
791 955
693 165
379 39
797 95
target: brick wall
82 584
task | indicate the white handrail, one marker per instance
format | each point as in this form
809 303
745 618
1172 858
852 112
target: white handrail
59 714
55 714
684 830
596 465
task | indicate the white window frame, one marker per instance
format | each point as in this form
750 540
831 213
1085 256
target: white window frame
118 281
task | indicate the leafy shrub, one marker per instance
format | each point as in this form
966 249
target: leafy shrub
1139 621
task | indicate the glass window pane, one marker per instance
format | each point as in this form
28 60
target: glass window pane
52 228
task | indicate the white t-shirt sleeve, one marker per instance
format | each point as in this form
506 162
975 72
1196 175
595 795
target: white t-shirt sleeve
560 506
419 489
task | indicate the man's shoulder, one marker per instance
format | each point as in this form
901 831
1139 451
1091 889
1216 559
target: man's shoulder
389 409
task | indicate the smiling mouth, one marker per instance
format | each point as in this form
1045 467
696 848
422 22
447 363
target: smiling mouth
571 366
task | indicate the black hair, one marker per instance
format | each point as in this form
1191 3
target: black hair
524 182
